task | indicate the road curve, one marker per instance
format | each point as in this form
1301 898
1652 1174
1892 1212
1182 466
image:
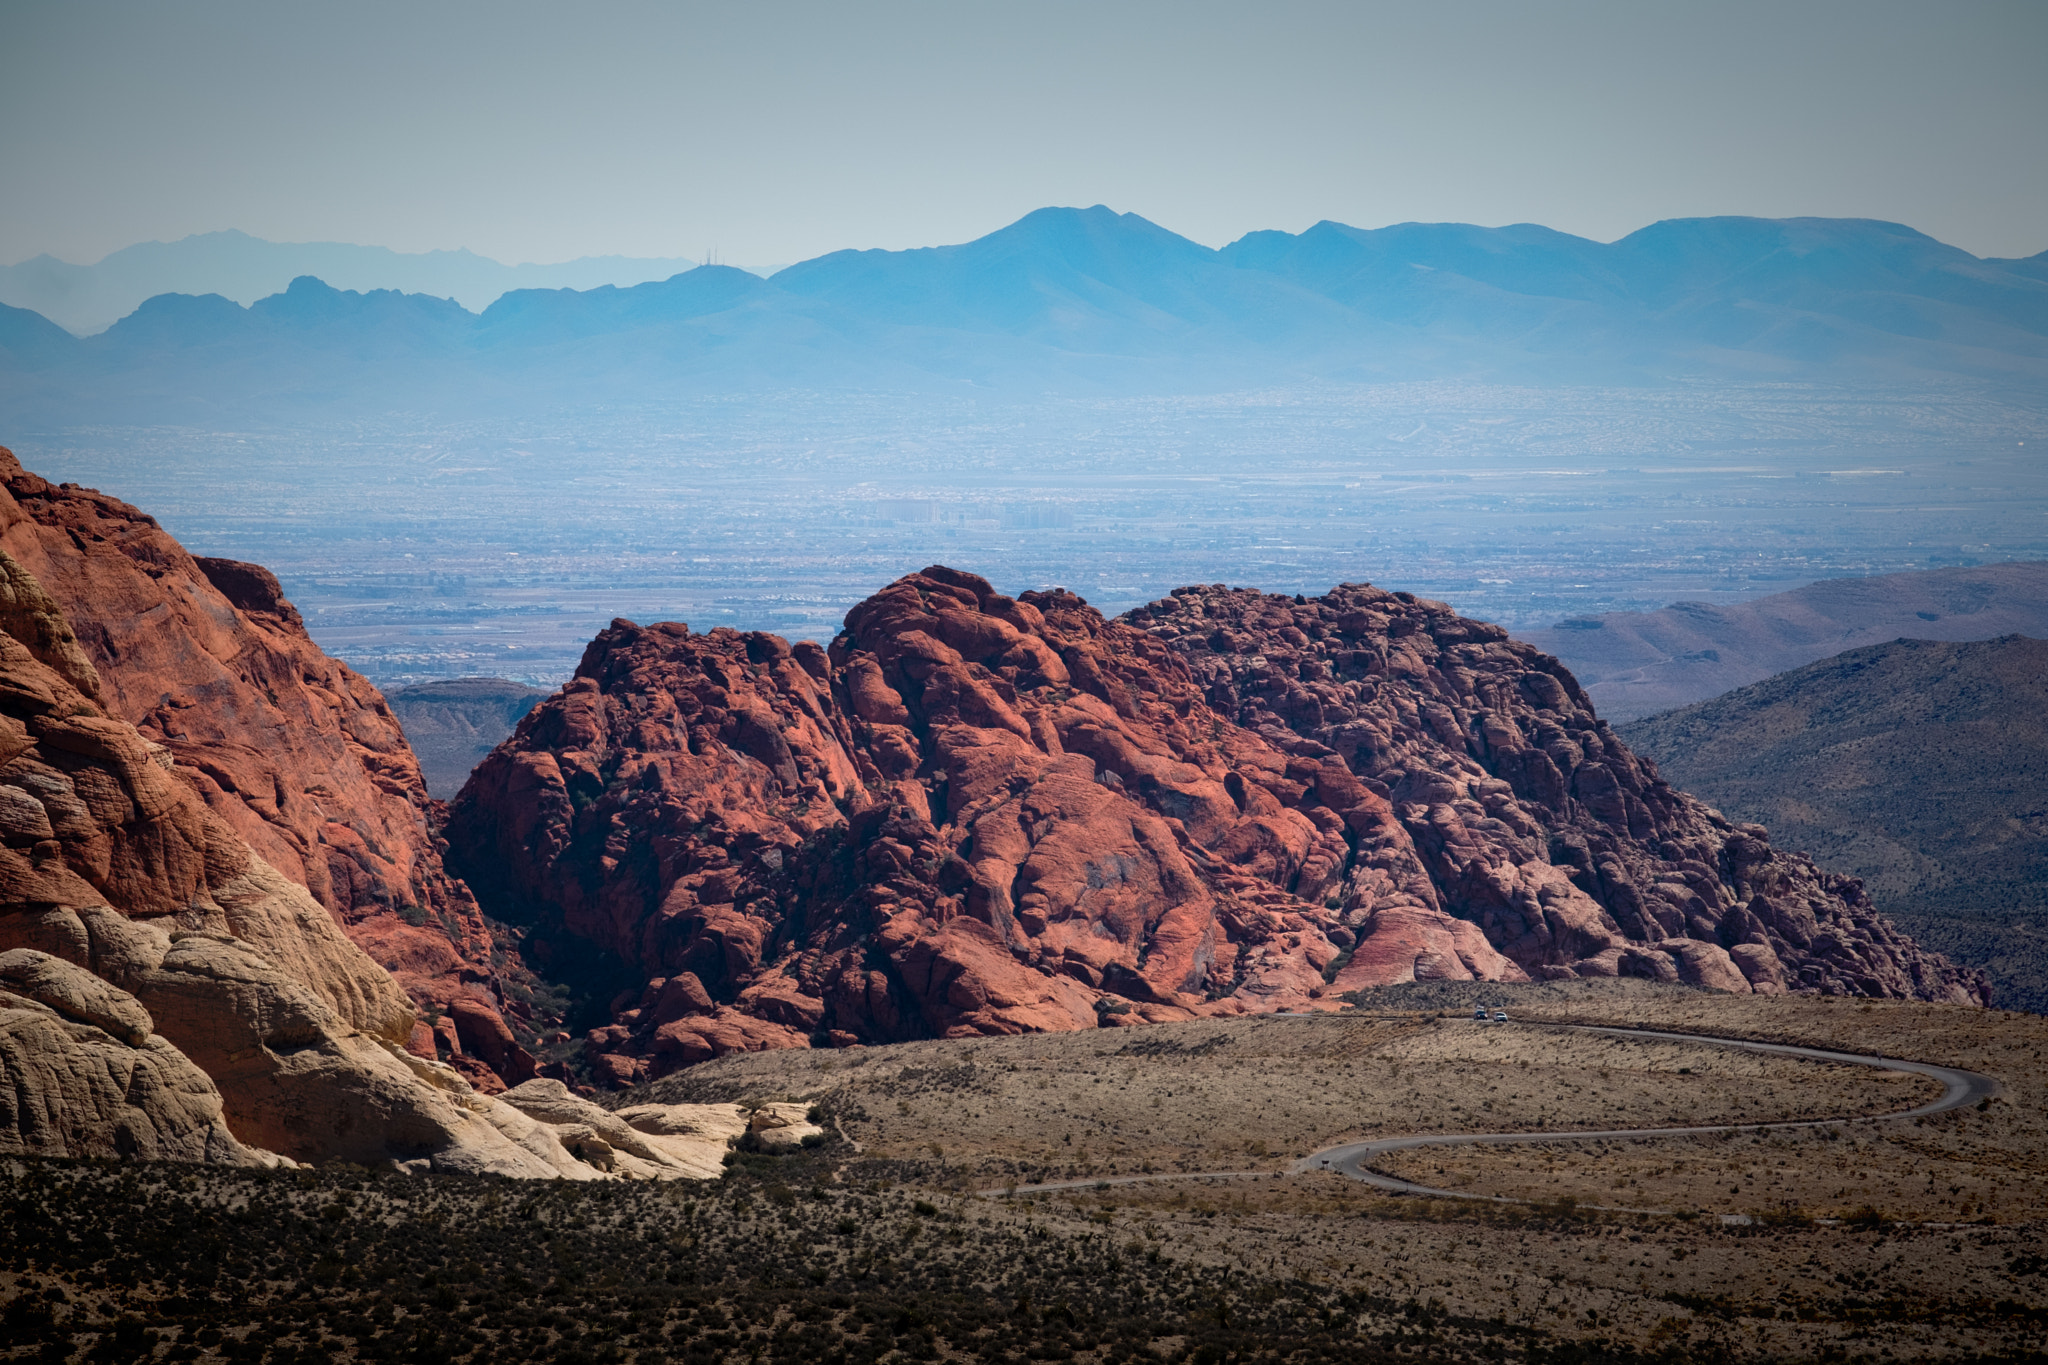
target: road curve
1354 1159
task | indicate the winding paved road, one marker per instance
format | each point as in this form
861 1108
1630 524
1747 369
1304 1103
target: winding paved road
1354 1159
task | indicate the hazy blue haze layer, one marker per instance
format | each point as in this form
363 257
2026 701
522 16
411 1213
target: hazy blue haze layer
1530 425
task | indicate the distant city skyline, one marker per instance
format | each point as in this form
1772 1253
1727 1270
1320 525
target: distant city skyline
778 132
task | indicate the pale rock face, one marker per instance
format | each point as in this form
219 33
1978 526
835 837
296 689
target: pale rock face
293 1077
75 993
719 1123
86 989
296 754
649 1141
279 919
782 1127
536 1139
82 1076
147 951
588 1146
167 993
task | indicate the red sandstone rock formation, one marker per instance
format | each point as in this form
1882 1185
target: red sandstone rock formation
974 815
165 992
298 754
1529 818
984 815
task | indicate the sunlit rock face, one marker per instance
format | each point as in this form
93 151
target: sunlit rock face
296 752
975 814
1531 819
167 994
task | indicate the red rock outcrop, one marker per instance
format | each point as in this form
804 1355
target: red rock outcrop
296 752
1530 819
167 994
973 815
977 814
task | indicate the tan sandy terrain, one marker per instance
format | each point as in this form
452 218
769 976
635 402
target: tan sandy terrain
1253 1094
1902 1275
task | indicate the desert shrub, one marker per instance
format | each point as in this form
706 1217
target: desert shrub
745 1268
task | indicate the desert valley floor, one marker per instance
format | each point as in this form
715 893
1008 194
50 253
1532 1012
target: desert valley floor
912 1228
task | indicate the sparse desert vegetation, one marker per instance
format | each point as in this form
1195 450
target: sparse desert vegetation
1917 1236
1915 765
899 1237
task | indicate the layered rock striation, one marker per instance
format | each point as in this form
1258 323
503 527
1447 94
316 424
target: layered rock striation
83 1073
136 918
299 755
1514 808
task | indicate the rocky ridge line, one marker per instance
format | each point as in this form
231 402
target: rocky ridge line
975 814
166 994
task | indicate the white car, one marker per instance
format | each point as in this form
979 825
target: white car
1500 1016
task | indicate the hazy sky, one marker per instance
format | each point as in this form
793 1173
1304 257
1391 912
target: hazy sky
777 131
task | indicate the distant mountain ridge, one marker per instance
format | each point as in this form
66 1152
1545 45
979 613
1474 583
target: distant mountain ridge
89 298
1090 301
1637 663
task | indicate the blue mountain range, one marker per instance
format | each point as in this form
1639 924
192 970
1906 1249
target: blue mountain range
89 298
1089 301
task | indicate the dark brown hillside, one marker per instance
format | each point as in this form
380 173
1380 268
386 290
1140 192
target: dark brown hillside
1920 766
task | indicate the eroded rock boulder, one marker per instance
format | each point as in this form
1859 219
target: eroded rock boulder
648 1141
976 814
76 994
973 814
781 1126
166 987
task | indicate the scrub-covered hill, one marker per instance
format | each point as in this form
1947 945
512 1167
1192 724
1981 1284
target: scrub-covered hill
1919 765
